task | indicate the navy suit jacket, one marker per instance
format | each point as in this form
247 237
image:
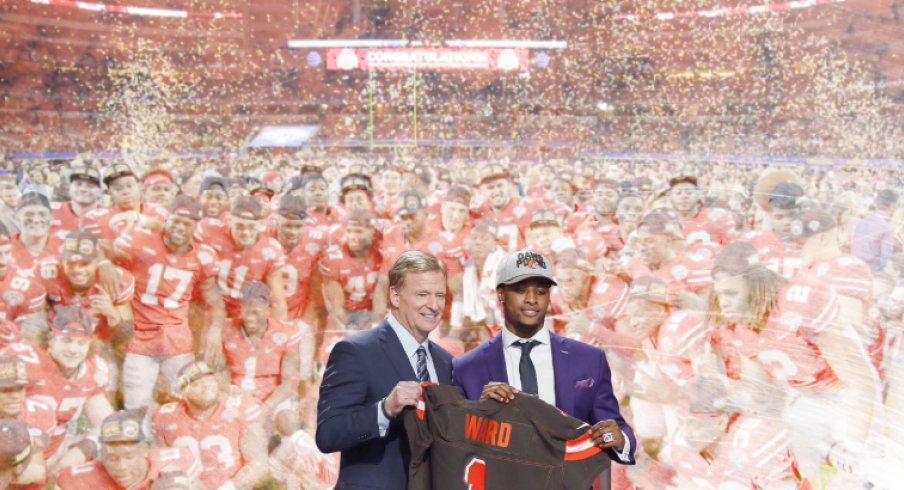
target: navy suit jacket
581 372
361 370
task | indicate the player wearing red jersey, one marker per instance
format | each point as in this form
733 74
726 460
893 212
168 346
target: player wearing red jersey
849 277
159 188
34 243
303 246
75 282
127 460
22 297
167 267
126 211
350 271
315 191
246 254
596 229
511 212
214 197
795 335
629 211
20 462
717 449
262 353
222 429
450 232
584 302
699 224
545 232
390 186
84 192
67 378
668 340
662 251
774 246
15 404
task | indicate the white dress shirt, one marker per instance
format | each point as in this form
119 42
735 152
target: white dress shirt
540 355
410 346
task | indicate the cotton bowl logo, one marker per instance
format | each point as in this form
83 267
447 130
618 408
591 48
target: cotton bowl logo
508 60
347 60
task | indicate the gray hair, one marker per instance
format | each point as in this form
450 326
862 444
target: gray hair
413 261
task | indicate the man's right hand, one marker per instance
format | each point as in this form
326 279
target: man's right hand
405 394
500 392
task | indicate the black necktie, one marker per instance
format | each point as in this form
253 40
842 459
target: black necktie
526 367
422 374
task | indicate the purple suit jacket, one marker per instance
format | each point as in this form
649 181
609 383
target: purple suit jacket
581 372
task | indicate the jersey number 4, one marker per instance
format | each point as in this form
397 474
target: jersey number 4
476 474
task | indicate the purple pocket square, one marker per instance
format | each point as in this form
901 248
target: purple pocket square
584 383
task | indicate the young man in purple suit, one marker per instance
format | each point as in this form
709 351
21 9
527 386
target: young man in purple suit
529 358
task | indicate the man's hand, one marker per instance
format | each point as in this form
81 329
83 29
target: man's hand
108 278
212 349
405 394
500 392
102 303
607 434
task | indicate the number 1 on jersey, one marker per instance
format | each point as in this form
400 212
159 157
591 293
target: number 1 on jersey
476 474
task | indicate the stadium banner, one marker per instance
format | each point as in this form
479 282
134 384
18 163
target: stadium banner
427 59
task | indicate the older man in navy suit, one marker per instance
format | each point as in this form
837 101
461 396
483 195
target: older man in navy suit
525 356
371 377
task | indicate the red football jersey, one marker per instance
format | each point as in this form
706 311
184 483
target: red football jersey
103 224
688 272
94 475
710 225
785 347
851 277
41 420
65 396
21 294
163 289
25 260
300 264
63 219
393 244
59 292
608 297
256 366
450 249
299 464
215 441
779 256
236 267
513 220
754 454
681 338
214 232
358 277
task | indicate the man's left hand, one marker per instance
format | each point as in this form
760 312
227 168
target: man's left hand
607 434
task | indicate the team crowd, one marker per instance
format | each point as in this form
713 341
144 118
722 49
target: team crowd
166 325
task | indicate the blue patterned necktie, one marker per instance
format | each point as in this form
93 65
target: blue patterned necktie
422 374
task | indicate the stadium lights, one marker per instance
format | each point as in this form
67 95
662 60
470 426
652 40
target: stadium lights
347 43
505 43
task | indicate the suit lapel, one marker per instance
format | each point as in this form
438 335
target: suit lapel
441 365
561 379
392 347
495 360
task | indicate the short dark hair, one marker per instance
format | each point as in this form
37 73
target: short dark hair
413 261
